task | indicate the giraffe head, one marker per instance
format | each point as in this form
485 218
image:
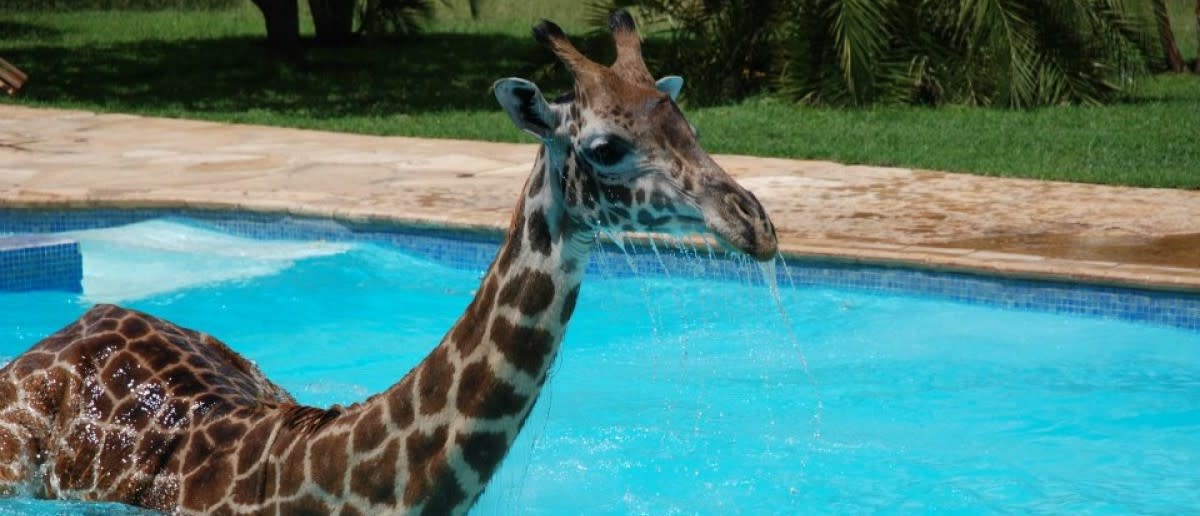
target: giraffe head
621 156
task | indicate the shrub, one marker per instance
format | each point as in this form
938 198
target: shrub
148 5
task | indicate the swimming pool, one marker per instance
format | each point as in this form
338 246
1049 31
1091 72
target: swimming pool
677 392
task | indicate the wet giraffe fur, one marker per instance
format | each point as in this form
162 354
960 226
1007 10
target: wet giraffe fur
122 406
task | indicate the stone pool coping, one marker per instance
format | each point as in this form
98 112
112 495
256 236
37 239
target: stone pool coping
53 158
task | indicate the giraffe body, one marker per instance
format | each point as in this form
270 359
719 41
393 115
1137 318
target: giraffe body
122 406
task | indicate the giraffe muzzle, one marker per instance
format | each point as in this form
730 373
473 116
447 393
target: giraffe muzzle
738 220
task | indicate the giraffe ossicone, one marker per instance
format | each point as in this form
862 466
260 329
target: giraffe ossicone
122 406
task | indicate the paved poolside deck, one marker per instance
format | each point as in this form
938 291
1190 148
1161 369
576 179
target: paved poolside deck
51 157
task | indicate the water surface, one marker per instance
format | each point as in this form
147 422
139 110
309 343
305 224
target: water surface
684 395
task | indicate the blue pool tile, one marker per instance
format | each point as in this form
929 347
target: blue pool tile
474 250
39 262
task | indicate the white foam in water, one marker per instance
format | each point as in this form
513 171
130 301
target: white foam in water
116 267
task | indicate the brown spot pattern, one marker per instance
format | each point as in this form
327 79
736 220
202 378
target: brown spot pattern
253 444
329 463
618 194
468 333
568 306
152 450
482 395
433 384
133 327
349 511
370 430
155 352
531 291
308 505
446 494
483 451
537 179
375 478
32 362
400 403
512 245
426 460
539 232
525 347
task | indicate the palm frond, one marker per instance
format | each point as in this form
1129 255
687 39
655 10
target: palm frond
1015 53
860 31
395 17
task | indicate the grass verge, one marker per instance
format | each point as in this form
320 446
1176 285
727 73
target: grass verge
210 65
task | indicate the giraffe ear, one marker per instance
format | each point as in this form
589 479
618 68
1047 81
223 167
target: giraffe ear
670 85
526 106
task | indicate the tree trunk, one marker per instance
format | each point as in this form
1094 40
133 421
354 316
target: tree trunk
1196 65
1167 37
333 19
283 26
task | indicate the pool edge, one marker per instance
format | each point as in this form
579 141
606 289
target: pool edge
921 257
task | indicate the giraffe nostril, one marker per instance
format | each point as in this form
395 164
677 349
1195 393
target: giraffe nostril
738 204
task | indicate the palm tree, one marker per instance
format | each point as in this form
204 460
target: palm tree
333 20
1196 64
1166 36
1015 53
283 26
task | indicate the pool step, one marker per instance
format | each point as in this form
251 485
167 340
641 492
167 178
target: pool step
40 262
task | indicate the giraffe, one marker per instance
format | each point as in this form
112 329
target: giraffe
122 406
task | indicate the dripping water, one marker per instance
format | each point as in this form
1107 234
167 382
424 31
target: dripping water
666 271
699 320
516 490
787 271
691 403
617 238
632 264
771 278
754 278
656 322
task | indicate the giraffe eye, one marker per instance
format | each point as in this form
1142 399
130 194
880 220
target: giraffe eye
607 152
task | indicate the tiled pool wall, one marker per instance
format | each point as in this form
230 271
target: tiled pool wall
39 262
475 250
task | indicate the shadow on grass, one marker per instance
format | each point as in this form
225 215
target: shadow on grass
429 73
18 30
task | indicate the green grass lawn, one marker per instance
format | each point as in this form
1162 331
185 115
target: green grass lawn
211 65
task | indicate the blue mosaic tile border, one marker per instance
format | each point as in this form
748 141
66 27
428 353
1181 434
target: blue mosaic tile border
475 251
1181 310
40 262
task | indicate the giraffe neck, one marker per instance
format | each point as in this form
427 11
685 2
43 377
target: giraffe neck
447 424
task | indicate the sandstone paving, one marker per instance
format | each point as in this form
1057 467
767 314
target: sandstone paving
51 157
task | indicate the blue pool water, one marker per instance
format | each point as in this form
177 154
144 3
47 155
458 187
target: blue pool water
689 395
